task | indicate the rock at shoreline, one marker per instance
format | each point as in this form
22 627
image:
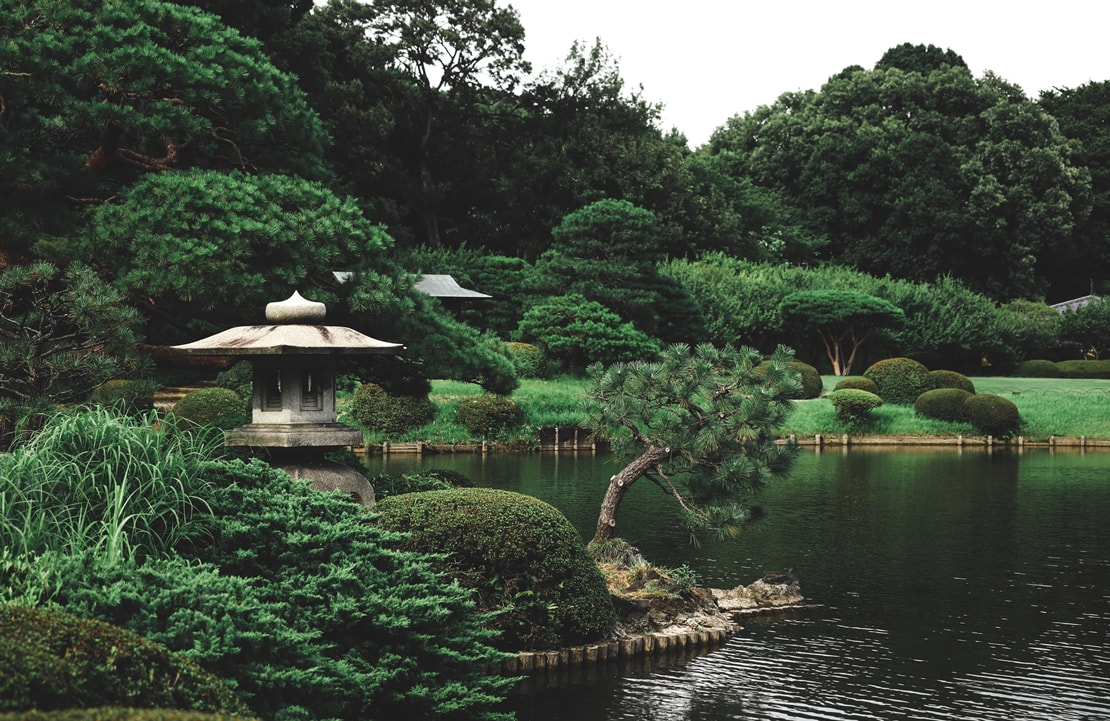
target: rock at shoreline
771 591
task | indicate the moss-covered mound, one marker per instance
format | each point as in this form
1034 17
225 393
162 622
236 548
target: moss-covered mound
51 660
117 714
520 555
900 380
944 404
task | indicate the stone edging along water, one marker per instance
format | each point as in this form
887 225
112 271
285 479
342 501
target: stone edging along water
633 646
821 440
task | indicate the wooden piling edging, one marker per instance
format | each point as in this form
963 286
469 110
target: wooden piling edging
629 647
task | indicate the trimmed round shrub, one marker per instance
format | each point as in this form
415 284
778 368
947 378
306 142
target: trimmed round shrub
216 407
239 378
53 660
521 556
900 380
527 358
810 378
1036 369
486 415
118 714
812 384
951 379
374 408
133 396
943 404
992 415
854 405
858 383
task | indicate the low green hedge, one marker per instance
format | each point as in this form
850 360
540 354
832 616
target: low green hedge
1036 369
951 379
521 556
857 383
486 416
375 408
1084 369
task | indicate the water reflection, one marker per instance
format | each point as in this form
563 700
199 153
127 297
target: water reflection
971 585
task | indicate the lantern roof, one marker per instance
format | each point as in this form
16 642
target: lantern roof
294 329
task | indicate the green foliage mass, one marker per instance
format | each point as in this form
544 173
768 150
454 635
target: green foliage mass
992 414
578 332
292 596
97 92
700 422
134 396
217 407
1084 368
900 380
853 405
378 410
1036 369
943 403
118 714
487 416
52 660
951 379
858 383
520 555
528 358
62 333
1088 327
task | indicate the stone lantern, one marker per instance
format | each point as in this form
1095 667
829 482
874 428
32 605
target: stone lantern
293 417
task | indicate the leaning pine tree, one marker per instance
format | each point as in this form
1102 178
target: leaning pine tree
699 424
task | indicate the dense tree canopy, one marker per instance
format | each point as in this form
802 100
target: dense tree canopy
843 319
919 172
96 93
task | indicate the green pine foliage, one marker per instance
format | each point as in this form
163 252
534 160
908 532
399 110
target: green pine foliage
521 556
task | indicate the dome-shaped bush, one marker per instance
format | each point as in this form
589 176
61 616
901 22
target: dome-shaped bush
217 407
857 383
52 660
378 410
951 379
1036 369
943 404
992 415
853 405
810 378
522 557
527 358
133 396
485 416
900 380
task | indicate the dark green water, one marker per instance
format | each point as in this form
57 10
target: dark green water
952 585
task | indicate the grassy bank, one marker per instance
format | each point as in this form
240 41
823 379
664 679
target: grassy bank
1049 407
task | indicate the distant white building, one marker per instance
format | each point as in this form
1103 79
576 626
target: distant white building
437 286
1076 303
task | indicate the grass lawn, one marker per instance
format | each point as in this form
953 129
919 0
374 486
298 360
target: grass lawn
1048 406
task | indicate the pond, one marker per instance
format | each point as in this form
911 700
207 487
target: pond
952 584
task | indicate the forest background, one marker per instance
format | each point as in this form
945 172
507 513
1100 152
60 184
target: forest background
178 166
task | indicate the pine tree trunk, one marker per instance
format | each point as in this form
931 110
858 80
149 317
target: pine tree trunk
619 485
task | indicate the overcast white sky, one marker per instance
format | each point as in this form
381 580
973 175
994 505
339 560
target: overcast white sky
707 60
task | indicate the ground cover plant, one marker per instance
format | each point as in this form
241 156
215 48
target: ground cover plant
296 600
